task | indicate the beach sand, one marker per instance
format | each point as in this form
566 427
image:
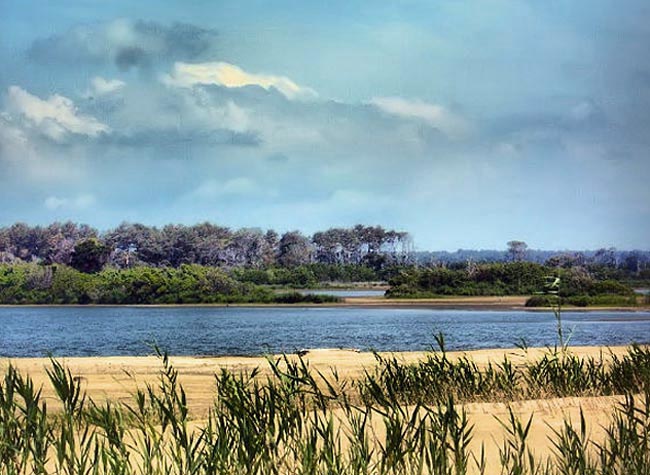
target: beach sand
116 378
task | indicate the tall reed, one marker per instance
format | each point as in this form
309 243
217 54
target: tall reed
401 419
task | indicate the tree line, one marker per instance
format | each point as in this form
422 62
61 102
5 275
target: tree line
578 286
131 244
627 261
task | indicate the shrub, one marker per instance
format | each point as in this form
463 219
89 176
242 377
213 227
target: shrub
297 297
582 300
541 301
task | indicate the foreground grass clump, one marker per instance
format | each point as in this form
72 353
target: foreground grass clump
298 421
557 373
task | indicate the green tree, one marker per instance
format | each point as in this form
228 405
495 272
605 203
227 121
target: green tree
294 250
90 255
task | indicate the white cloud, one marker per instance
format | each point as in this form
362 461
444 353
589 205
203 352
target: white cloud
205 112
76 203
26 157
101 87
55 117
229 75
451 124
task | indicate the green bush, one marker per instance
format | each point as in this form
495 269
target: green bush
515 278
187 284
541 301
297 297
306 276
582 301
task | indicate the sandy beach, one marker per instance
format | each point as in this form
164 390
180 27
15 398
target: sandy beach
116 378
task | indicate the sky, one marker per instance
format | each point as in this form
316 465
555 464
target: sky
465 123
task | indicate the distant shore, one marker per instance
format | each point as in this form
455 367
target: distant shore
502 303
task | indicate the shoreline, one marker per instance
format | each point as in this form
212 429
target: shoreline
482 303
320 357
323 354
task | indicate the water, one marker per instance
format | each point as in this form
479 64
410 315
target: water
345 293
103 331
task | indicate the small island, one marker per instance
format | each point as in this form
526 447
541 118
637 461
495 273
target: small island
134 264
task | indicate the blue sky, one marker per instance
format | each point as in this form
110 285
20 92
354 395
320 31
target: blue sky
467 123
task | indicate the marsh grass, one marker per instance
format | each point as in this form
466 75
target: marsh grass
557 373
401 419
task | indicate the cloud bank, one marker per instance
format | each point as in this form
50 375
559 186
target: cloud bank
124 42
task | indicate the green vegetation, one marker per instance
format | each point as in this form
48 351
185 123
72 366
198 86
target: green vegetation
89 255
579 287
558 373
175 261
296 421
307 275
32 283
583 301
517 278
37 284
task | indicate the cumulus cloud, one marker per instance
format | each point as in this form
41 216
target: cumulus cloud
101 87
26 157
126 43
55 117
435 115
76 203
174 121
231 76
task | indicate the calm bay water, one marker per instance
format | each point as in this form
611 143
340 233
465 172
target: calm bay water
89 331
